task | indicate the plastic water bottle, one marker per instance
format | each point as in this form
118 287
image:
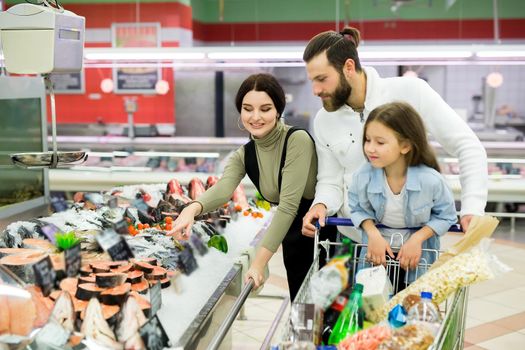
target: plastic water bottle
350 321
426 312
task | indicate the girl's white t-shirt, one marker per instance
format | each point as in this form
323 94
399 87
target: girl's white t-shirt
394 217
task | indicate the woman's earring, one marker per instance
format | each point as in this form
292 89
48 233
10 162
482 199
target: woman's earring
239 124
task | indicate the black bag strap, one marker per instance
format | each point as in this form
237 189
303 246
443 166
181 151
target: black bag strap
252 167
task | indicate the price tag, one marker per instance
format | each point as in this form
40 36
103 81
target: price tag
140 205
155 298
58 204
120 251
121 227
154 335
115 245
198 244
72 257
49 230
187 261
113 202
45 276
129 214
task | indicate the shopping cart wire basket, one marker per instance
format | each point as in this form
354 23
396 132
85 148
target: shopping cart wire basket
452 330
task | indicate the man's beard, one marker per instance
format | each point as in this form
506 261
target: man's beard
339 97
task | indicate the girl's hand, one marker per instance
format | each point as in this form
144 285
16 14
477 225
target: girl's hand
410 253
378 248
182 225
257 275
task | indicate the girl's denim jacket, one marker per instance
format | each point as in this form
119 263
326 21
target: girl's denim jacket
429 202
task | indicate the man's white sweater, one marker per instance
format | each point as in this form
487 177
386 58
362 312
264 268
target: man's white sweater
339 136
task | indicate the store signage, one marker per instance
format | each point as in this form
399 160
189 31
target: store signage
155 298
68 83
45 275
49 230
154 335
72 257
136 79
113 202
115 245
186 261
121 227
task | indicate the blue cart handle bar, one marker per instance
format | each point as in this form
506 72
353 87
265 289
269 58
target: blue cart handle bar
348 222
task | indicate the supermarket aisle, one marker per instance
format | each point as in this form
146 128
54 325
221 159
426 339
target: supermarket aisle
496 310
261 311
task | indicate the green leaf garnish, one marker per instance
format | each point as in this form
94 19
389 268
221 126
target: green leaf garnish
65 241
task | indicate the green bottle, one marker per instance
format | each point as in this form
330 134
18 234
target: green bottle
350 320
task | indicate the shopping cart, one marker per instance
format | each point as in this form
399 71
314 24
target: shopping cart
452 330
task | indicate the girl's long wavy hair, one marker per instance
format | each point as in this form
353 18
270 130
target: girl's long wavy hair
408 127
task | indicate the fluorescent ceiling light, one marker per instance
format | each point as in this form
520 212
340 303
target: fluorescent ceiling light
285 55
178 154
489 160
393 54
109 154
278 55
236 64
501 54
144 56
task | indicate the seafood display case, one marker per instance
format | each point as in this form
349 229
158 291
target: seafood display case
197 286
22 129
154 160
116 160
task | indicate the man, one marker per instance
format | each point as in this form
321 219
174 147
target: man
349 93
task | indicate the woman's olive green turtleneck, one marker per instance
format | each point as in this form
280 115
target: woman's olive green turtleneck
298 179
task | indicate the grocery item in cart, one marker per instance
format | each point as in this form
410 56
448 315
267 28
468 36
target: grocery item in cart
332 313
480 227
397 317
351 319
426 313
410 337
464 269
410 300
330 280
306 321
368 339
377 288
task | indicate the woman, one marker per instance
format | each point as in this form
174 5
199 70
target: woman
289 183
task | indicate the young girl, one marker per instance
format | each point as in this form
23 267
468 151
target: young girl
400 187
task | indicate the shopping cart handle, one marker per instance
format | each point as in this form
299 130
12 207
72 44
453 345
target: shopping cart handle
333 221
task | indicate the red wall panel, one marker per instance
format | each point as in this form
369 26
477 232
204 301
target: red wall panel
95 105
370 30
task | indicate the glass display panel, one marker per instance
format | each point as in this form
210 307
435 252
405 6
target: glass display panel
20 131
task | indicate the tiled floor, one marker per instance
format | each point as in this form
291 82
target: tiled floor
496 308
